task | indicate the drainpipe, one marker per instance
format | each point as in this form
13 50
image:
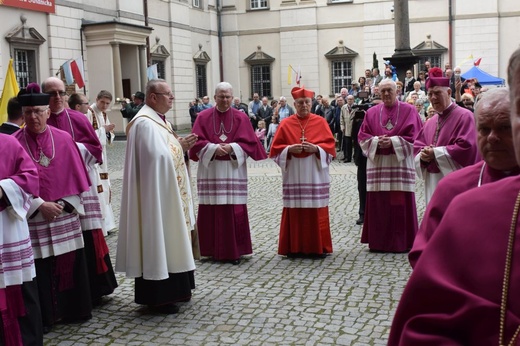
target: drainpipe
450 33
81 44
219 33
145 10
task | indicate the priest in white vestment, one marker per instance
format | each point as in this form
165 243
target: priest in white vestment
156 207
98 117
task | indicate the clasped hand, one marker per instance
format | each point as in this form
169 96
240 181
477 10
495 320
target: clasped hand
384 142
50 210
224 149
303 147
427 154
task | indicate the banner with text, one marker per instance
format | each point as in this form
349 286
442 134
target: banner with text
48 6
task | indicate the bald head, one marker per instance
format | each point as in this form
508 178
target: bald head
56 88
495 138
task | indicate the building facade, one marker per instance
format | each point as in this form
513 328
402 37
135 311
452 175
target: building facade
256 45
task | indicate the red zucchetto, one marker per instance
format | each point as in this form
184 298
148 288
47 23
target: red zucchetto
435 78
298 93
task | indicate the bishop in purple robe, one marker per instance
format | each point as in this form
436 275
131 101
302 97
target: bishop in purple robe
102 278
226 139
386 138
20 318
464 289
55 230
495 143
448 141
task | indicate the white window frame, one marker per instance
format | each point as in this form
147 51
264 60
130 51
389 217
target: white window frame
346 74
259 83
258 4
197 3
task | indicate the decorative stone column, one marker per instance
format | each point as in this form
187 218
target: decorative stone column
403 59
118 76
143 67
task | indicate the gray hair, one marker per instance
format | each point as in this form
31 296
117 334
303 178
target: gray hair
151 86
223 86
388 81
282 98
497 99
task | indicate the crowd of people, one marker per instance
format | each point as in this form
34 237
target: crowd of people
461 141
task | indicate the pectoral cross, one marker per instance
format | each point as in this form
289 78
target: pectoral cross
303 139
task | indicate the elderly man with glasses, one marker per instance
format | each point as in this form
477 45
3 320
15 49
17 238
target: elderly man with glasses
102 277
226 140
156 207
54 224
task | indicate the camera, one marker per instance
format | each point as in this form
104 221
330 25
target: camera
363 106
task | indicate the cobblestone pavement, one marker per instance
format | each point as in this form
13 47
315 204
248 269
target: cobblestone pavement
348 298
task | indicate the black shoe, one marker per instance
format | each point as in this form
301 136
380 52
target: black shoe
347 161
46 329
167 309
359 221
235 262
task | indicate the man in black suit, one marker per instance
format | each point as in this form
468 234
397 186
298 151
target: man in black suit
14 117
264 112
129 110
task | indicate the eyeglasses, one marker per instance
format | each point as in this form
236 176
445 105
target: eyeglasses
56 93
30 112
224 97
170 94
83 103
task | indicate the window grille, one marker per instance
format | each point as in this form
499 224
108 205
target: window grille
261 80
341 75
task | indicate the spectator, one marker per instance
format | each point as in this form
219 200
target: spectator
316 102
421 78
284 110
272 131
253 109
129 110
205 104
347 117
409 80
326 110
264 112
260 132
430 113
239 106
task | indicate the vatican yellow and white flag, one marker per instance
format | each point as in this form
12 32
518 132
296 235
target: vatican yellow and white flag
10 90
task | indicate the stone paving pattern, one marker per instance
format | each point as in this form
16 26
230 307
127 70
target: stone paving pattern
348 298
